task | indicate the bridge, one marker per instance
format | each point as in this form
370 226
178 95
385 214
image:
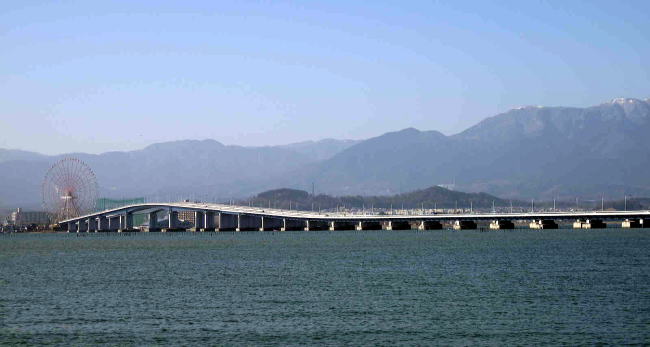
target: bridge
221 217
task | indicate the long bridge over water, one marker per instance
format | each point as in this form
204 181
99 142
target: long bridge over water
221 217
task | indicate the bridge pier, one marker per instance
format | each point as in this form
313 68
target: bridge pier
81 226
636 223
248 223
313 225
199 220
398 225
126 222
589 224
464 225
501 224
172 222
429 225
152 224
208 222
102 224
369 225
342 225
113 223
271 224
543 224
227 222
293 224
91 223
72 227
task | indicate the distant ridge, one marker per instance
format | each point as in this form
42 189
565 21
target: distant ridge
529 152
428 198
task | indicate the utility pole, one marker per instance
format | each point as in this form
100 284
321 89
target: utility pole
510 206
625 202
471 207
553 204
602 203
532 206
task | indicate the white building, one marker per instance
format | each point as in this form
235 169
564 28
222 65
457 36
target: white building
22 218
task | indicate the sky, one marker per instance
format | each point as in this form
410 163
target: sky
97 76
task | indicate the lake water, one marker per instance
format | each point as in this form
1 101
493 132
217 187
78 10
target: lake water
354 288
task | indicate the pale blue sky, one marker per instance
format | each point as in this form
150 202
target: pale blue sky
96 76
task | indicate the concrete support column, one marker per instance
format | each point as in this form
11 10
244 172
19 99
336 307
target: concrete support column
114 223
72 227
313 225
227 222
635 223
578 224
271 224
199 220
172 222
342 225
293 224
398 225
208 221
90 223
126 222
464 225
129 221
543 224
248 223
429 225
589 224
102 223
153 222
369 225
594 224
81 226
501 224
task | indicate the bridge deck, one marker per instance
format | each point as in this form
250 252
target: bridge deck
314 216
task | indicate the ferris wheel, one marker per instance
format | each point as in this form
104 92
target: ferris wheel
69 189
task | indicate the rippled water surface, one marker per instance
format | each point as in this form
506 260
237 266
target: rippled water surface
355 288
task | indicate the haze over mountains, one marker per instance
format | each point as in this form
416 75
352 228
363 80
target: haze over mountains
528 152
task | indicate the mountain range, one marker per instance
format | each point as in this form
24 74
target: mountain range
527 152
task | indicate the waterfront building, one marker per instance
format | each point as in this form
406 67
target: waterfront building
23 218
